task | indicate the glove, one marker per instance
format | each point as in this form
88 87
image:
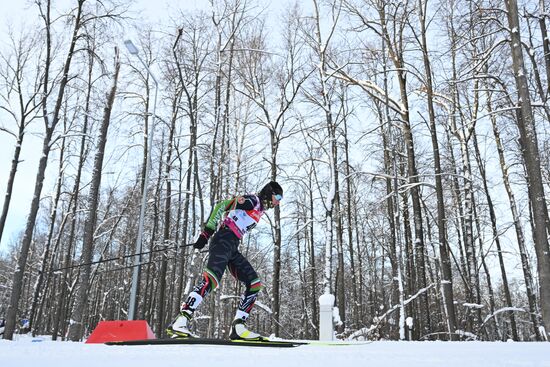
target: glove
201 241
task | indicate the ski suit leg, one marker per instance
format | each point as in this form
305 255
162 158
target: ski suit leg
242 270
222 248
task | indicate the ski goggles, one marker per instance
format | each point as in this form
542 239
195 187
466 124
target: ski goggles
279 197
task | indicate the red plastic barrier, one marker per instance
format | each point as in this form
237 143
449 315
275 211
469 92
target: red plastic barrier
113 331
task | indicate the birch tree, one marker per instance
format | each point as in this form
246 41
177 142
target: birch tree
320 43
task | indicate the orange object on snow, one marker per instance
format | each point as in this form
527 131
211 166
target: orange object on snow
121 330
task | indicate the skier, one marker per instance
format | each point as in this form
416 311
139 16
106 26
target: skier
228 222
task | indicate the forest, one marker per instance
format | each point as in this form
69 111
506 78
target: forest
411 138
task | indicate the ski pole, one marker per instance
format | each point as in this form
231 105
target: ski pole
119 257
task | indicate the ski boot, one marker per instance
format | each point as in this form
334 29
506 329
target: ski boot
179 328
240 332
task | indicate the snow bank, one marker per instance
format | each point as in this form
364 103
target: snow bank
38 352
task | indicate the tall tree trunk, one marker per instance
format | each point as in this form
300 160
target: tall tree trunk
489 287
149 305
531 157
527 276
396 52
73 207
496 237
38 290
50 121
320 47
276 286
191 90
167 209
392 219
424 310
76 329
312 267
390 144
349 219
11 177
545 46
463 133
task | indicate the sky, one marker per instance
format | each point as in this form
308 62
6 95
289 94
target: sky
16 14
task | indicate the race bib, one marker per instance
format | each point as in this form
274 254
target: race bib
244 220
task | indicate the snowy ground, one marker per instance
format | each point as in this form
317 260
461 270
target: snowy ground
39 352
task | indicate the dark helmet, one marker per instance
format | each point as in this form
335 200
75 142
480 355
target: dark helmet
272 188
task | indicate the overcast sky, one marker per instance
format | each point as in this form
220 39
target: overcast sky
17 14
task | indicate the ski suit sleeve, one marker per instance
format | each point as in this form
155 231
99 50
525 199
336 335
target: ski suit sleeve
216 214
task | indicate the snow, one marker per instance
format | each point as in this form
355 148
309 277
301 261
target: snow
542 332
473 305
326 299
336 316
40 352
466 335
504 309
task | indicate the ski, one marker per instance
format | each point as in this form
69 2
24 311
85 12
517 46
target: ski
328 343
206 341
334 343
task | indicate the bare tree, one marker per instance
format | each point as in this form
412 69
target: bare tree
62 307
531 156
50 124
76 328
192 51
19 100
272 83
320 42
39 289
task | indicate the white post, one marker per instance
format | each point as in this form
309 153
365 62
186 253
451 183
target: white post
410 323
326 324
